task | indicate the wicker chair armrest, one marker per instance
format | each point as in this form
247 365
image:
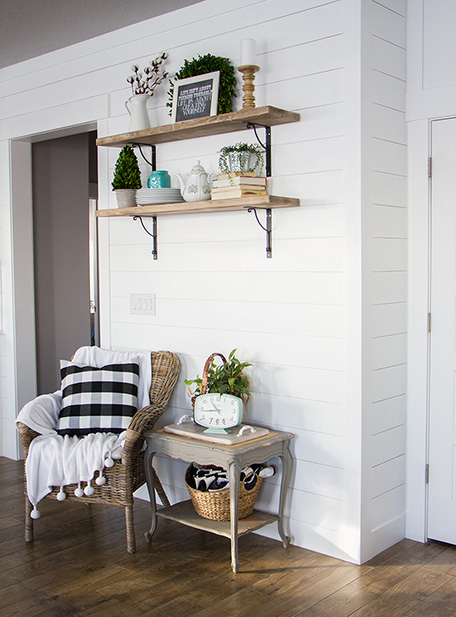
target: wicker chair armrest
165 371
27 435
143 420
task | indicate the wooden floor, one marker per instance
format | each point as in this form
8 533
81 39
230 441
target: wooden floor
78 566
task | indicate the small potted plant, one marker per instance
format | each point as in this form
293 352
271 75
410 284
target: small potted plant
127 178
225 378
240 158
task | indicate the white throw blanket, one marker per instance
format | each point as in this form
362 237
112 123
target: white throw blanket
56 460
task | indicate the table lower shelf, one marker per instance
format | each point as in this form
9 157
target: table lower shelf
184 512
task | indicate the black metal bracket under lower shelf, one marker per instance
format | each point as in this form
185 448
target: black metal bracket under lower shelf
267 229
152 234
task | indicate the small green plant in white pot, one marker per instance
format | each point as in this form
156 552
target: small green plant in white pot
127 178
241 158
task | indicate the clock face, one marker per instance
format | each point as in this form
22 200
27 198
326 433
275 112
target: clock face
218 411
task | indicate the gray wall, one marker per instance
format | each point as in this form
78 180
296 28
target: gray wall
61 238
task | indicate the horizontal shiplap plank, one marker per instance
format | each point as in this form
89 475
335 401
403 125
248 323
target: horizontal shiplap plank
389 222
307 320
216 255
388 25
306 507
319 480
389 254
389 382
389 157
388 58
387 476
389 287
397 6
388 189
387 445
388 507
389 124
299 413
389 351
388 413
283 287
388 91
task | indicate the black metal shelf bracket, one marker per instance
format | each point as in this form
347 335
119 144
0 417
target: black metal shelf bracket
153 155
152 234
267 229
266 146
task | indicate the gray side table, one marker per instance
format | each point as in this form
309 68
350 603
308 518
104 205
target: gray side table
230 457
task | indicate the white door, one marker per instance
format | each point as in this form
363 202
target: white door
442 427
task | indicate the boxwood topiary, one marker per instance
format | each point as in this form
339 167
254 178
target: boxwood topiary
209 64
126 173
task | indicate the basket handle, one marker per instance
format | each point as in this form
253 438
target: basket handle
206 370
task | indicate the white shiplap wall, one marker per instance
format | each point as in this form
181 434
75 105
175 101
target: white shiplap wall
215 289
385 278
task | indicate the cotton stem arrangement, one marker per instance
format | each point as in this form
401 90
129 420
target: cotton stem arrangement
145 82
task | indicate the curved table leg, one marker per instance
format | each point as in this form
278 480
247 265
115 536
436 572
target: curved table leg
234 474
148 460
286 468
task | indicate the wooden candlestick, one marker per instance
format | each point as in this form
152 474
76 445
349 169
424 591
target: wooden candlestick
248 74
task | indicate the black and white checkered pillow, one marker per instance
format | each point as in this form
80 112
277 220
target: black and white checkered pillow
97 399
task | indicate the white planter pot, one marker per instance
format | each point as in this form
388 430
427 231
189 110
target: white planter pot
242 161
126 198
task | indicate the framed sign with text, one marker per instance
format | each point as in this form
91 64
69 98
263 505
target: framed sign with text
196 97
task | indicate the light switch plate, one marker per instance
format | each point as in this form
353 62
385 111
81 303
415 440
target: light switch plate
142 304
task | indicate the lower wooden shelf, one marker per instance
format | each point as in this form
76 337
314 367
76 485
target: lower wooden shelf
184 512
216 205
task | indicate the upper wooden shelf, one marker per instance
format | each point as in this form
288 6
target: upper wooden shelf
203 127
216 205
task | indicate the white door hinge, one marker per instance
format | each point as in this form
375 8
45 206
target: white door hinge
429 322
429 167
426 474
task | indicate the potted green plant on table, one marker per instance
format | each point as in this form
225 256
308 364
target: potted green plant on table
241 158
127 178
225 378
228 378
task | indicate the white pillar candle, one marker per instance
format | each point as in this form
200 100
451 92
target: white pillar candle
248 55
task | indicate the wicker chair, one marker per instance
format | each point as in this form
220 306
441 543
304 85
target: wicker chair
127 474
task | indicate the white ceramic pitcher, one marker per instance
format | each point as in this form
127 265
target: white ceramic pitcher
139 118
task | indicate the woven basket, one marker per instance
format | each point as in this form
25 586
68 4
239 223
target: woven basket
215 505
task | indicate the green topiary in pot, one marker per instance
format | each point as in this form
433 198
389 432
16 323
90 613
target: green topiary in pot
126 173
209 64
127 178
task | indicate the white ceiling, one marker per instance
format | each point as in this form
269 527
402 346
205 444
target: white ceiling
30 28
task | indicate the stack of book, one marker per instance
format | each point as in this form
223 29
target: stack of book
231 186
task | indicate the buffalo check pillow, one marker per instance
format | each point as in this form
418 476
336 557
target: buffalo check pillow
97 400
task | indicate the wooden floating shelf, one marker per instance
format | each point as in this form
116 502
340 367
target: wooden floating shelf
217 205
203 127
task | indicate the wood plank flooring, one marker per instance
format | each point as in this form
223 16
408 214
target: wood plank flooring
78 566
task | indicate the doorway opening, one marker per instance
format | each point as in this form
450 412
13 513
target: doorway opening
64 181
